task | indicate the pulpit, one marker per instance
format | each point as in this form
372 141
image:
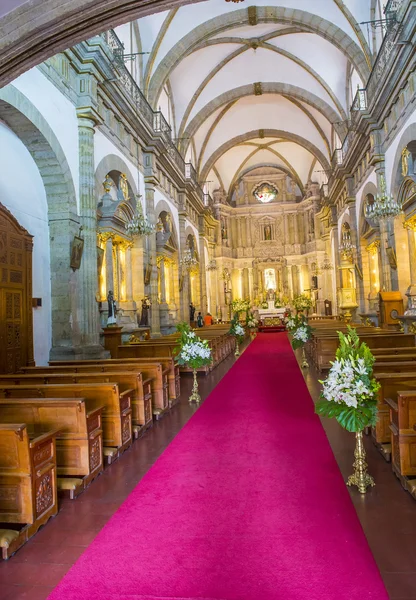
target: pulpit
391 307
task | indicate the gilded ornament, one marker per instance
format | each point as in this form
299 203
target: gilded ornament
107 184
124 186
405 162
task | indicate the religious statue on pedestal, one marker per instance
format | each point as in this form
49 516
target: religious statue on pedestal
112 309
191 312
146 305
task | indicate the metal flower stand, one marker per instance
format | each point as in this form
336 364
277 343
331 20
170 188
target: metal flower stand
195 397
360 477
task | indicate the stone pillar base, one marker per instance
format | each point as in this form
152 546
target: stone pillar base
411 300
78 353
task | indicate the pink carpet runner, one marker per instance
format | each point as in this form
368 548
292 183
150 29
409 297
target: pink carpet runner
247 503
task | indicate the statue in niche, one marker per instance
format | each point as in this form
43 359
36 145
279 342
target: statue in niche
146 305
124 186
168 225
224 234
192 312
405 161
112 310
267 233
159 226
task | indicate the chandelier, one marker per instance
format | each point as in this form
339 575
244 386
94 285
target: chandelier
139 225
326 264
384 207
212 265
188 260
346 246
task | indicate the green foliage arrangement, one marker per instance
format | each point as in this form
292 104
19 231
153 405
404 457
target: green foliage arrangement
237 330
302 302
192 351
349 392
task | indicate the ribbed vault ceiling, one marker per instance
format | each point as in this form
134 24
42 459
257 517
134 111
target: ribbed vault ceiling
269 85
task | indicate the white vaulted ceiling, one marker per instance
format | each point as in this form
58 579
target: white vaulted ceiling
257 83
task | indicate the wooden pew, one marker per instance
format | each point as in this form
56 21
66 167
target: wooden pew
116 415
141 399
79 441
403 438
131 364
324 346
27 483
390 385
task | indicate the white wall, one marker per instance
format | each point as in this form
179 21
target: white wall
22 192
59 113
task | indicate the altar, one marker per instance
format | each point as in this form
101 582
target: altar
271 311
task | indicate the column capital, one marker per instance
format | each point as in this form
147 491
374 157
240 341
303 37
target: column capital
88 117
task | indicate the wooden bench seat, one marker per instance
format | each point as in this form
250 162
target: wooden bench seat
27 482
104 365
403 438
116 415
79 441
390 385
141 399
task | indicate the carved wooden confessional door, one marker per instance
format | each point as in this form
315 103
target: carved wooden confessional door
16 327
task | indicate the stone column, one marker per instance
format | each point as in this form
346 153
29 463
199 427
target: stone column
202 276
129 274
88 316
150 212
246 284
411 290
183 275
385 265
248 230
296 227
239 233
109 267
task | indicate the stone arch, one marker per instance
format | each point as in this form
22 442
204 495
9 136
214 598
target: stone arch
23 118
265 14
267 133
112 162
396 177
267 88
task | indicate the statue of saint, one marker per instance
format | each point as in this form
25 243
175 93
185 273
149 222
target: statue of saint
223 231
146 305
271 294
112 309
191 312
267 233
124 186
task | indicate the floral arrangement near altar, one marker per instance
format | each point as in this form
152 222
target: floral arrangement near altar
349 392
237 330
278 303
139 225
264 305
240 306
252 322
300 330
192 352
302 302
349 395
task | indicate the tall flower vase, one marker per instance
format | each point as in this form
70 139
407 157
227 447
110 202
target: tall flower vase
360 477
305 364
195 397
237 348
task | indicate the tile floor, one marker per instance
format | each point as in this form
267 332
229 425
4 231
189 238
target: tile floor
387 513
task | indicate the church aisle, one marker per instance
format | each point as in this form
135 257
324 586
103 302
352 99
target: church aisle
246 503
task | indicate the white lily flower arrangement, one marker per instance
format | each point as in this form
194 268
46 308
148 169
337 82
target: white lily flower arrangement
349 393
192 351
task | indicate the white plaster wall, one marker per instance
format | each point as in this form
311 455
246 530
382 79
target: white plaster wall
22 192
58 111
390 153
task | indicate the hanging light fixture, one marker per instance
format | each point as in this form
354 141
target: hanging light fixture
326 265
139 225
384 207
188 260
346 246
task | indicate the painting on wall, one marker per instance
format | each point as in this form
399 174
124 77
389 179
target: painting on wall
76 252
